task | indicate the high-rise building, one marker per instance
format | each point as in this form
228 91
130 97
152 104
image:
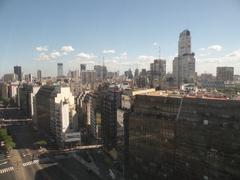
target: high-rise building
18 71
28 78
158 71
10 77
73 74
111 102
39 74
225 73
88 77
136 73
26 95
4 90
56 114
83 67
60 69
178 137
184 63
95 113
128 74
101 72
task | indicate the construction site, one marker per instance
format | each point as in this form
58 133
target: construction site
179 136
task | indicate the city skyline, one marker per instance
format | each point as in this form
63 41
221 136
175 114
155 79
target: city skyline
46 39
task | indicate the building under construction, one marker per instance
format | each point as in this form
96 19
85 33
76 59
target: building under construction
179 137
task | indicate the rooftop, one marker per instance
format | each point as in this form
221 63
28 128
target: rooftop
180 94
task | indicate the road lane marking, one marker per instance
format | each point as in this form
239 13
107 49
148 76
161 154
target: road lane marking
4 163
30 163
5 170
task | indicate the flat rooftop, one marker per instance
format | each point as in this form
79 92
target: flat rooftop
178 94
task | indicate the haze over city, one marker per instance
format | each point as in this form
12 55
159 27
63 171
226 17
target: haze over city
128 34
119 90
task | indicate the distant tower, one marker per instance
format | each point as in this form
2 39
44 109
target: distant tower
18 71
60 69
83 67
184 63
39 74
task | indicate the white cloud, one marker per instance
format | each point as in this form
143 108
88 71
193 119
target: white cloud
209 64
108 51
86 56
55 54
215 48
67 49
145 57
155 44
234 54
41 48
46 57
43 57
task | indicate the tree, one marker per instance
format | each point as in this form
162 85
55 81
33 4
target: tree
7 140
40 143
5 101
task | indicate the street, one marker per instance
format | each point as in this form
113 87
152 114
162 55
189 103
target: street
26 163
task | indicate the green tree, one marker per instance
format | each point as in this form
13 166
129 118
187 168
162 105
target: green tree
40 143
7 140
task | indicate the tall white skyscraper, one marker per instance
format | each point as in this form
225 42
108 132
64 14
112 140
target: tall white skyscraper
60 69
184 63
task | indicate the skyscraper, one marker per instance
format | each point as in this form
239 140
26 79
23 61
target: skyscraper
101 72
83 67
39 74
184 63
18 71
60 69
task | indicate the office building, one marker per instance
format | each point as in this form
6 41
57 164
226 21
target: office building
18 72
158 71
184 137
26 93
83 67
39 75
88 77
225 73
60 69
184 63
56 115
101 72
28 78
10 77
111 102
4 90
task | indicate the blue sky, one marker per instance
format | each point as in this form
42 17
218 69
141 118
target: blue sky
38 34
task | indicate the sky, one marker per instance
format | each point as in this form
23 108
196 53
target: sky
37 34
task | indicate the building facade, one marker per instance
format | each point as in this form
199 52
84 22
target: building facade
110 104
18 71
59 69
158 71
39 75
225 73
56 114
173 137
184 64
